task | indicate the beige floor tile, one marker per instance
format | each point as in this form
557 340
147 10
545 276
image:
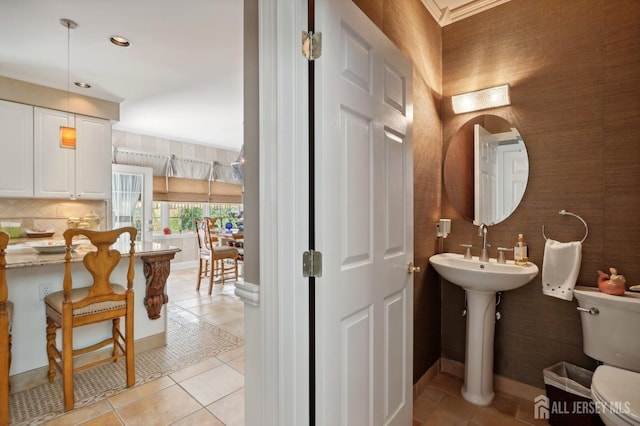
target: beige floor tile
161 408
194 370
432 395
202 417
204 307
440 404
193 302
180 296
441 417
230 409
235 327
140 391
109 419
456 407
217 314
232 354
218 288
447 383
227 300
506 404
489 416
237 364
82 414
422 409
214 384
525 413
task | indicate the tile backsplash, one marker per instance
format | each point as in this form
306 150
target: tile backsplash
41 214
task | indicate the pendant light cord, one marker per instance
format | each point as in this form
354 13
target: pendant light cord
68 67
70 25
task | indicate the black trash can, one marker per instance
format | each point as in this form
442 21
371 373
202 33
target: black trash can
569 391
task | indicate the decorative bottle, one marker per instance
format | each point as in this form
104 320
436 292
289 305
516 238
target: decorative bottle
520 251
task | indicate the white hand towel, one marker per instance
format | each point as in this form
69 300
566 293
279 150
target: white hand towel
560 268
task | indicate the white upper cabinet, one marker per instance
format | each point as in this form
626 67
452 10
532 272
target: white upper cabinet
81 173
16 150
93 158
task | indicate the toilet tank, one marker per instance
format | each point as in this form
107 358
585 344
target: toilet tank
611 335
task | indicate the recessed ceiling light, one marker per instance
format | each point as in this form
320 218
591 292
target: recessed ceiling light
82 84
120 41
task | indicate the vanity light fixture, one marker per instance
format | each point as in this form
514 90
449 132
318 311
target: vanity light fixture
491 97
120 41
68 134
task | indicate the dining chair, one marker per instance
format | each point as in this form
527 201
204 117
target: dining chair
212 256
6 319
81 303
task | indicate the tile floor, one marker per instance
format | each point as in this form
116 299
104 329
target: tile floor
212 392
441 404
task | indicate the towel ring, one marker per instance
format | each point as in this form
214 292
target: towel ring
564 213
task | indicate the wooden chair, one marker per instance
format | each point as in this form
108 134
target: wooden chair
6 316
102 300
212 256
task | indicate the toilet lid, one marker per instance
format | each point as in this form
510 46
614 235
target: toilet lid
620 390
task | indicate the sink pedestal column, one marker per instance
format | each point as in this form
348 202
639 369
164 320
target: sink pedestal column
478 374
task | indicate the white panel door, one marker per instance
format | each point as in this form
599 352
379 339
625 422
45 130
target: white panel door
364 222
16 150
514 172
486 176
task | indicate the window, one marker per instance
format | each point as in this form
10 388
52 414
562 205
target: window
180 217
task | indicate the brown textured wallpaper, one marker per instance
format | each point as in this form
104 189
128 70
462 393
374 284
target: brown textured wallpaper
574 71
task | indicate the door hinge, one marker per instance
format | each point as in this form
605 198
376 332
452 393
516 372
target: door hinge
312 264
311 45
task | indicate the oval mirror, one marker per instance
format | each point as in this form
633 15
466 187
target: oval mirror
486 170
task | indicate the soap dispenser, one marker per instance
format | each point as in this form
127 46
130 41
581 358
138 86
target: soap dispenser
520 251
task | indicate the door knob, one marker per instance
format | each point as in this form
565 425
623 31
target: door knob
411 269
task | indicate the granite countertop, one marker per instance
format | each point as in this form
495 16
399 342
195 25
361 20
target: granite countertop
22 254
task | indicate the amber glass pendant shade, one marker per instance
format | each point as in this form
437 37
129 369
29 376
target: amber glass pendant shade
67 137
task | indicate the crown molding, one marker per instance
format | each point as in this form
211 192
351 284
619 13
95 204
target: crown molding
445 15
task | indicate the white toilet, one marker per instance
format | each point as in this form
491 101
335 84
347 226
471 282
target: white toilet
611 334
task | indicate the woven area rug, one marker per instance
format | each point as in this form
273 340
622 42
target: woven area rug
189 341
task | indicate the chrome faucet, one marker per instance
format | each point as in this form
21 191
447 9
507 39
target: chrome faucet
482 232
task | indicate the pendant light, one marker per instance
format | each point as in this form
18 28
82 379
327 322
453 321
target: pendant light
68 134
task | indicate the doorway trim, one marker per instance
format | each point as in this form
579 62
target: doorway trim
276 324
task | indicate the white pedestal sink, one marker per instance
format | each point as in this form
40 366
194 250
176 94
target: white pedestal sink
481 281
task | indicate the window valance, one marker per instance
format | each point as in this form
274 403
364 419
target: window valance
195 190
185 179
191 169
161 164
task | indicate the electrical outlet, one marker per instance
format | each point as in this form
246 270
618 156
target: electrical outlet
45 289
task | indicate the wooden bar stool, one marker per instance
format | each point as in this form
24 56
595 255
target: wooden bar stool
212 257
80 305
6 317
